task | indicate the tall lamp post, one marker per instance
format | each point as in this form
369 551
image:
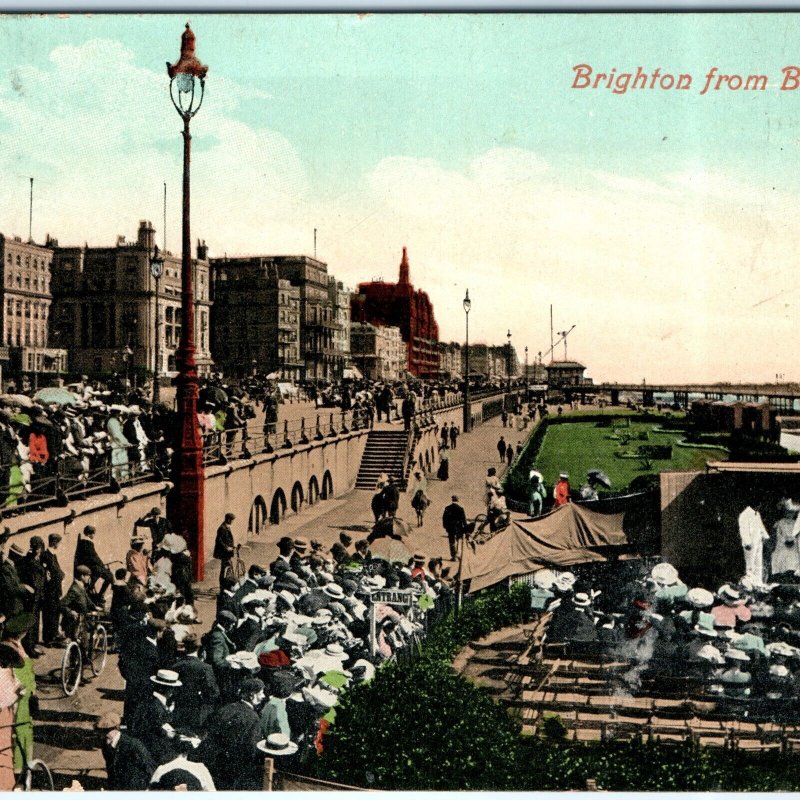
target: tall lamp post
508 363
186 503
156 270
526 373
467 410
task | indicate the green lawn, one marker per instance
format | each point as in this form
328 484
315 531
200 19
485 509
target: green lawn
578 447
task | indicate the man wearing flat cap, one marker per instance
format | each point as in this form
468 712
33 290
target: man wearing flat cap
224 547
76 603
230 749
129 765
86 555
159 525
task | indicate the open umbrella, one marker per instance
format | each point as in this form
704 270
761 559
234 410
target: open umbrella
213 395
390 549
56 395
600 477
17 400
392 527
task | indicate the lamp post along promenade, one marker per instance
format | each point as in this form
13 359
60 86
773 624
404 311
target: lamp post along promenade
467 426
186 502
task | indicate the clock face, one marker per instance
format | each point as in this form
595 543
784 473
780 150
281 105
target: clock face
156 268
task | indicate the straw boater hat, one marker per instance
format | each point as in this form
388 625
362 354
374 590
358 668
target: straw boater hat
781 649
708 633
166 677
728 593
736 655
700 598
334 591
563 475
277 744
287 597
335 650
301 545
582 600
664 574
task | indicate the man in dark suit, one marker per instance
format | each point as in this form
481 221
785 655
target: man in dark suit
223 545
282 562
12 591
391 497
249 630
250 583
229 750
33 573
198 696
139 659
53 587
225 599
76 603
86 555
454 521
218 646
152 721
128 764
159 526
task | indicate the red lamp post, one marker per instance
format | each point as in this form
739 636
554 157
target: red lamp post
186 501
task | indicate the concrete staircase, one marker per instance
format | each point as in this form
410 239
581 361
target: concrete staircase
385 451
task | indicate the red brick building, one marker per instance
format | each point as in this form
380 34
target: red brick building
399 304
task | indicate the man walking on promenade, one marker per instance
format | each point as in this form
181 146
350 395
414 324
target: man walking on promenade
501 449
454 521
223 545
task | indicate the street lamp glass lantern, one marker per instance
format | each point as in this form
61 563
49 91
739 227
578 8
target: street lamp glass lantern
467 303
184 75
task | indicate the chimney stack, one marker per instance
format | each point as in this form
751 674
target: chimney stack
147 235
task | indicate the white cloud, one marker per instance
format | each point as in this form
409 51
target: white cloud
685 275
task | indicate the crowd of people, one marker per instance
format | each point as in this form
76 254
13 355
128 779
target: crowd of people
740 642
204 711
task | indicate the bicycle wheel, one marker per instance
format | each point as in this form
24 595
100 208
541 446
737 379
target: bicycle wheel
38 777
71 668
240 570
98 650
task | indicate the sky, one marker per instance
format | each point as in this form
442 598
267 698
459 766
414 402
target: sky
661 223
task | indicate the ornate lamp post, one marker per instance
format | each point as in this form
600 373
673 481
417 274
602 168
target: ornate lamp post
467 410
186 90
156 269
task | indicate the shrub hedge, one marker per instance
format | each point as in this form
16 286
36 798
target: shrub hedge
419 725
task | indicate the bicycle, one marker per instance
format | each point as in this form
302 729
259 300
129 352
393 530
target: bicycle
235 568
481 529
89 646
35 775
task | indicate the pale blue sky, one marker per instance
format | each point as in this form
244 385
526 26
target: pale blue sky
659 222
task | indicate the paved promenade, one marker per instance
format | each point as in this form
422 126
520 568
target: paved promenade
475 453
64 735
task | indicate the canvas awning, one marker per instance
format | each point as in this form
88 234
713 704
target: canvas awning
563 538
